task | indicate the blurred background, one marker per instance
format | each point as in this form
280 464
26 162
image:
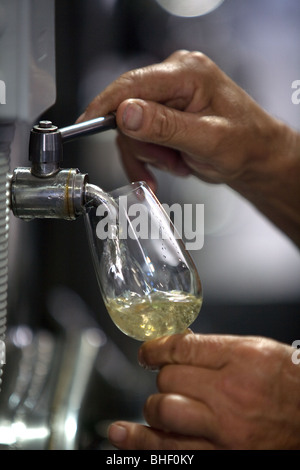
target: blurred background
249 270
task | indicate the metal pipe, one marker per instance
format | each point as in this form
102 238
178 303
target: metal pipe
93 126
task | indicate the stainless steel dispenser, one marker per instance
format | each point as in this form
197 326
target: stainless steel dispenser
45 190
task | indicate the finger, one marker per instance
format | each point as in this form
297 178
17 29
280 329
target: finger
211 351
173 413
159 82
160 157
135 169
133 436
193 133
190 381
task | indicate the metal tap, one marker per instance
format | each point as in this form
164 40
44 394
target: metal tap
45 190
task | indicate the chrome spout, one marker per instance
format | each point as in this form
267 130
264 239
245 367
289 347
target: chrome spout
95 196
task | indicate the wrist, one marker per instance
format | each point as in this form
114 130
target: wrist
271 180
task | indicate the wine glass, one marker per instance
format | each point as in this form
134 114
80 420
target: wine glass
148 281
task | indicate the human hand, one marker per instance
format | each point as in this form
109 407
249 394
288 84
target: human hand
186 116
217 392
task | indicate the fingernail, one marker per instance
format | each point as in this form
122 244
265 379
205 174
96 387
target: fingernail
188 331
141 360
133 117
117 433
144 364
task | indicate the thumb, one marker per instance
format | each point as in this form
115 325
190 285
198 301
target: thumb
153 122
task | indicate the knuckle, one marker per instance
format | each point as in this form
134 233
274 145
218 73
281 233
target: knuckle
199 61
164 126
132 81
180 54
128 78
197 57
164 377
136 77
190 56
182 349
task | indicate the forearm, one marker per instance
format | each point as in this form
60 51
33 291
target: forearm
273 185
